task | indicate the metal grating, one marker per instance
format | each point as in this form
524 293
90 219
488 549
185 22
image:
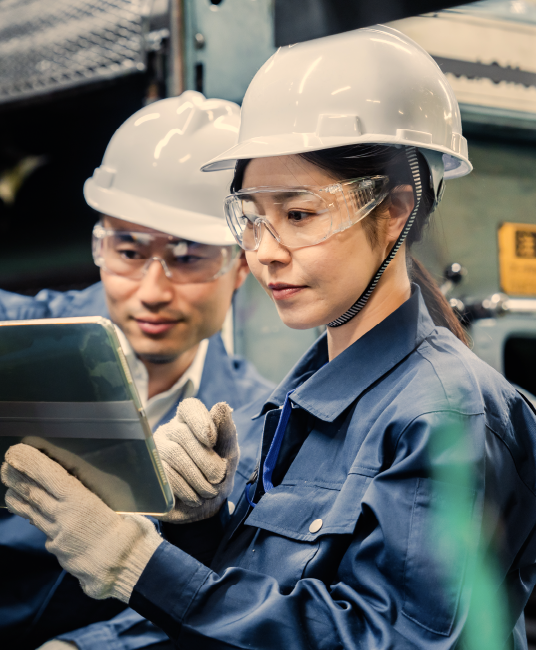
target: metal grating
55 44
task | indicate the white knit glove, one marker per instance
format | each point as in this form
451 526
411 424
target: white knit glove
200 454
107 552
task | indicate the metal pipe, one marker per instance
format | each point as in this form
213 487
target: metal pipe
175 85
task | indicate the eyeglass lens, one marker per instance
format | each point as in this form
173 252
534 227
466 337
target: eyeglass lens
127 254
298 218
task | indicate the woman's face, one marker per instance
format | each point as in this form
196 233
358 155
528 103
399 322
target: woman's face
310 286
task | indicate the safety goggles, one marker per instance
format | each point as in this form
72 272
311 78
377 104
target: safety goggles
130 253
301 216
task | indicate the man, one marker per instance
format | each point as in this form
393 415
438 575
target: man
169 270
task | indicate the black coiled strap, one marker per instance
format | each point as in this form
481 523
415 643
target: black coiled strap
363 298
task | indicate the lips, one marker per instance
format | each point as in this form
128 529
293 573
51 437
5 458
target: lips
282 290
155 326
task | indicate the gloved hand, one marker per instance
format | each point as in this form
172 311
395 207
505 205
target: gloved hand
57 644
199 451
107 552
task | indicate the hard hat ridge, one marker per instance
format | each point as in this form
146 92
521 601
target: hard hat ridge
306 98
150 174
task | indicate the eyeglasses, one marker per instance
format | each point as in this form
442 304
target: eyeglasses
130 253
301 216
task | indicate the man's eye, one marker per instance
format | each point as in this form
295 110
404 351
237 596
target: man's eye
129 253
187 259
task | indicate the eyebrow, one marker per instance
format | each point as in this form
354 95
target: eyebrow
276 195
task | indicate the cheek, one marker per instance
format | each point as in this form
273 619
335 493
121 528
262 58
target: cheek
352 255
210 300
194 297
118 290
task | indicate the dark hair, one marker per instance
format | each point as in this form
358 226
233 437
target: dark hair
354 161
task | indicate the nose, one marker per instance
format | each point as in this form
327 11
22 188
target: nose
270 250
156 289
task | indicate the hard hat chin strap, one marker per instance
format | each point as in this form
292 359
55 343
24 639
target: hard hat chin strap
358 305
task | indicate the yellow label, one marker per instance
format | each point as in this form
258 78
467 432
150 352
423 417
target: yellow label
517 258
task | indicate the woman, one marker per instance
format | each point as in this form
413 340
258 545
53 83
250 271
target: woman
387 419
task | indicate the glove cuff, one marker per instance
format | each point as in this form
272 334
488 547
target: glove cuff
138 557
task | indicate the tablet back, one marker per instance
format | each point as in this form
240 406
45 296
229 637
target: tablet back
66 389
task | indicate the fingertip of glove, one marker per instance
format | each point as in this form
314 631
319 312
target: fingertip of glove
219 473
18 452
220 412
3 472
26 459
9 474
14 503
195 415
186 405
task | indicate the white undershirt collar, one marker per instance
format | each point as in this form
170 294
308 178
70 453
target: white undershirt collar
186 386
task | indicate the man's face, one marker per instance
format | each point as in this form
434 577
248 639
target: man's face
162 319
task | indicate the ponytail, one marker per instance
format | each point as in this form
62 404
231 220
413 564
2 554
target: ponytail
440 310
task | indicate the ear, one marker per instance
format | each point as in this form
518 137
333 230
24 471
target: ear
241 272
402 204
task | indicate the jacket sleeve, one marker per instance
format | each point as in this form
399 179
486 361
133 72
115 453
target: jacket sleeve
14 306
401 580
199 539
126 631
130 631
53 304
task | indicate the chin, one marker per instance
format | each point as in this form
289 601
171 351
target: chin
158 358
301 321
153 353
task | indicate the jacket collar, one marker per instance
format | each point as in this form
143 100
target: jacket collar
326 391
218 379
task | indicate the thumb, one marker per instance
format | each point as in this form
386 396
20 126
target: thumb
227 445
195 415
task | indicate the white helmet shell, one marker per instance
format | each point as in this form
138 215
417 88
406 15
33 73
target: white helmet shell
372 85
150 174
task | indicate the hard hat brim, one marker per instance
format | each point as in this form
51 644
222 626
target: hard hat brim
296 143
193 226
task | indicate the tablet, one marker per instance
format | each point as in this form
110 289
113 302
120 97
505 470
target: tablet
66 389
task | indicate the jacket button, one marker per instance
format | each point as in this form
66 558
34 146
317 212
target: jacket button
315 526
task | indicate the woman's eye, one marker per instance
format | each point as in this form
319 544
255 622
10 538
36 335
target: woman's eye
298 216
248 220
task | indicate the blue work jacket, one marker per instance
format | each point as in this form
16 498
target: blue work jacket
37 600
348 550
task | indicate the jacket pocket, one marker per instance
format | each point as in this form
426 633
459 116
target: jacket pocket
436 558
293 518
291 508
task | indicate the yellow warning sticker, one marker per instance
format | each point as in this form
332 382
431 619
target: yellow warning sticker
517 258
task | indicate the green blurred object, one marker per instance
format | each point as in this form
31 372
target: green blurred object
461 533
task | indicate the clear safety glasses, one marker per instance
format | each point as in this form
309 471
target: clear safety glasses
130 254
301 216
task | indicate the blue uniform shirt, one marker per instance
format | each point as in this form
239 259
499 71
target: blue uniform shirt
342 552
36 601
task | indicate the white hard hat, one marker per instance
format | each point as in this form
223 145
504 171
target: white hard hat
150 174
372 85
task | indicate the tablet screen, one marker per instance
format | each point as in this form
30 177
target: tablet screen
65 388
